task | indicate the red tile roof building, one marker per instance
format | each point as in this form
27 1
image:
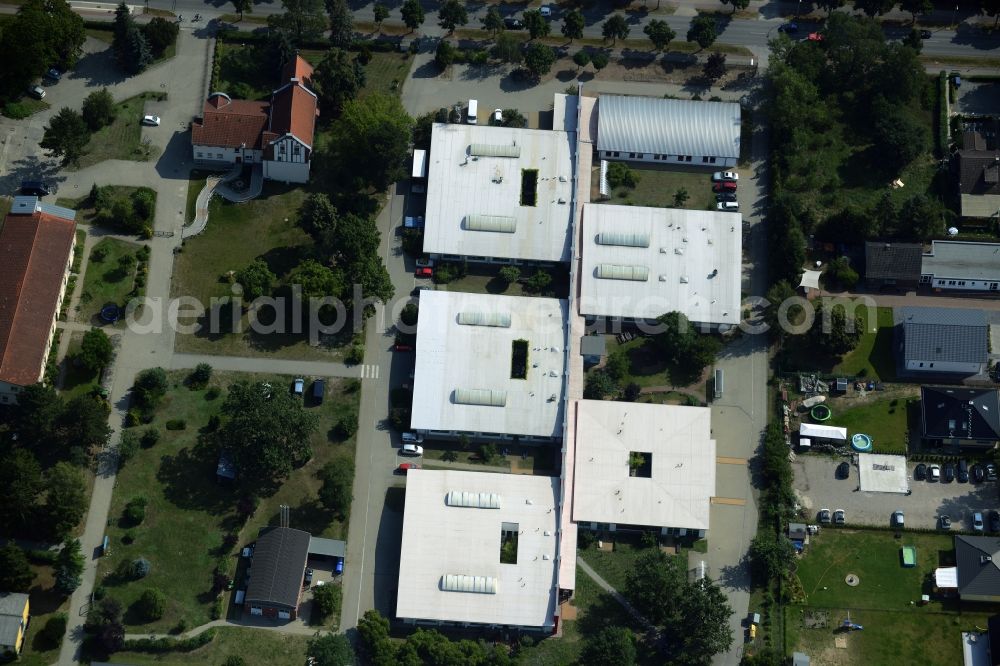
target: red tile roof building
278 134
36 251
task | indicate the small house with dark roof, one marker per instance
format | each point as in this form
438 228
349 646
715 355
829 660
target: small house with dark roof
960 416
977 559
36 252
944 340
278 134
893 265
978 168
277 572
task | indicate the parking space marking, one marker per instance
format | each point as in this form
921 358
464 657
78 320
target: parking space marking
726 460
732 501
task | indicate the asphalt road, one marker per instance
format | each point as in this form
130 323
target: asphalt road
752 33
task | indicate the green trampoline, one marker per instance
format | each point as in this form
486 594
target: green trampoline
821 413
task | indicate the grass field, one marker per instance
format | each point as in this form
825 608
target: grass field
245 72
255 646
45 603
615 565
30 105
122 139
267 229
77 380
895 632
884 420
658 184
872 357
196 183
188 513
104 281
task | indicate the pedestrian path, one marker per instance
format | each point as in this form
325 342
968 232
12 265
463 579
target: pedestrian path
274 366
604 585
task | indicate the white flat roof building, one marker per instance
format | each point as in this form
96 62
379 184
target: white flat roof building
679 450
477 206
450 558
464 379
640 263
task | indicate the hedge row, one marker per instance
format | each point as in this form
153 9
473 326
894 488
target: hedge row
914 530
171 644
243 37
943 124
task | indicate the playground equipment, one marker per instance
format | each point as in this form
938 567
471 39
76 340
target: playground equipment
821 412
110 313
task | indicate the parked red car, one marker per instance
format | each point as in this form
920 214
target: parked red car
728 186
406 467
815 37
425 272
404 348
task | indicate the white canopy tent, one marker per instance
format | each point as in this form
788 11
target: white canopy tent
817 431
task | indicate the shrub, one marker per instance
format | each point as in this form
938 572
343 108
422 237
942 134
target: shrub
99 592
488 452
140 568
150 436
55 627
200 376
135 511
127 447
619 175
132 418
326 599
176 424
128 537
355 355
585 539
152 604
16 110
171 644
346 427
449 456
180 627
212 393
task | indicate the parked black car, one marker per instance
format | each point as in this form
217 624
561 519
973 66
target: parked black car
949 473
843 470
925 34
34 188
994 518
963 471
512 23
920 472
978 473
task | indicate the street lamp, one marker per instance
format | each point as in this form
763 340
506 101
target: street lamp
798 9
954 19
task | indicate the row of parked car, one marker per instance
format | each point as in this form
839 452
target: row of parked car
724 185
947 473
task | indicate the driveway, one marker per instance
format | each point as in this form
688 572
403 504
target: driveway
979 98
817 488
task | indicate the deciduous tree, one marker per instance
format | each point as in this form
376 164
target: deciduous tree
611 646
342 22
268 436
715 67
659 33
95 350
331 649
256 279
66 136
65 499
535 24
98 109
508 48
15 571
493 22
452 14
302 20
615 28
573 24
381 13
413 14
703 31
20 487
242 6
539 58
379 128
160 34
737 4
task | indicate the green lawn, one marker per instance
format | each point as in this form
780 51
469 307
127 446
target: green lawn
84 205
658 184
895 631
104 281
245 73
266 228
257 647
486 280
77 380
188 512
45 602
122 139
613 566
27 104
873 356
885 420
196 182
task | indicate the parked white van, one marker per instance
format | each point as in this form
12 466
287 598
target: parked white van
470 117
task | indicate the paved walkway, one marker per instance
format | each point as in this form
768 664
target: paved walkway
267 365
604 585
295 627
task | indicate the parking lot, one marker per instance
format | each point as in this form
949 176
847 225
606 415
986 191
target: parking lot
978 98
817 487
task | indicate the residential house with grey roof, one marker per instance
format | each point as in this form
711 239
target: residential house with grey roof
893 265
944 340
960 416
978 561
670 131
961 266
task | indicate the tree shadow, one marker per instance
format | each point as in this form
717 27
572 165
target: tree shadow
188 480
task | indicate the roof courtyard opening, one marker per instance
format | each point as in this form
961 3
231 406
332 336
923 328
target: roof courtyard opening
529 187
640 464
508 543
519 359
